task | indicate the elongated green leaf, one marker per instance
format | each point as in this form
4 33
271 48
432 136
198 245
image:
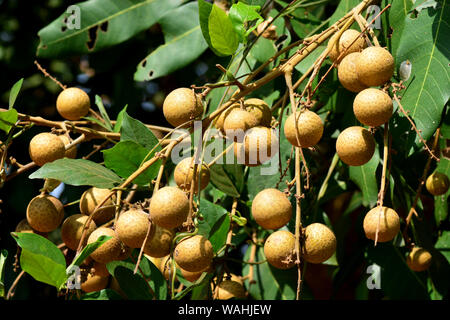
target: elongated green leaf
104 114
96 24
343 7
204 10
157 280
211 214
119 120
396 17
223 37
78 172
8 119
223 181
219 232
87 250
3 256
443 244
184 43
41 259
365 178
105 294
14 92
135 130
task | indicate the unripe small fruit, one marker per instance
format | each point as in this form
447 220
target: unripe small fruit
437 183
131 227
72 229
375 66
183 175
237 123
93 197
320 243
355 146
418 259
309 128
159 244
260 110
230 288
279 249
46 147
72 152
387 221
73 104
259 146
169 207
372 107
108 251
194 253
271 209
45 213
347 40
182 105
347 73
93 283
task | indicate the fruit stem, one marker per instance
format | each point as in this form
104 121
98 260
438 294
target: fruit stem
298 220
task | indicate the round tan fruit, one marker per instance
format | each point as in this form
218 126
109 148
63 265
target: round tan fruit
260 110
100 269
72 152
108 251
191 276
45 213
169 207
93 197
230 288
437 183
73 104
182 105
132 226
271 209
72 229
183 175
221 118
93 283
347 73
309 128
418 259
320 243
159 244
46 147
279 249
24 226
372 107
259 146
374 66
237 123
386 219
347 40
194 253
355 146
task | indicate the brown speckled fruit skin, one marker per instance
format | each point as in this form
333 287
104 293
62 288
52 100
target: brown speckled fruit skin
46 147
24 226
93 283
190 276
355 146
279 249
320 243
183 175
309 127
169 207
259 146
72 228
347 73
389 224
346 39
437 183
100 269
271 209
108 251
194 253
131 227
237 123
372 107
221 118
375 66
260 110
418 259
182 105
73 104
45 213
91 198
158 245
72 152
230 288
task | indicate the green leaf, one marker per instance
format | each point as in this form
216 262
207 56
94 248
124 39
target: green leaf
441 202
211 214
219 232
184 43
119 120
78 172
126 157
104 114
366 180
95 120
3 256
424 43
102 23
223 37
204 10
240 14
223 180
343 7
396 17
41 259
105 294
158 282
14 92
135 130
87 250
8 119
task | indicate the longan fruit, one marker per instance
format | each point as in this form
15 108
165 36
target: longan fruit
237 123
194 253
72 229
45 213
375 66
159 244
100 269
347 73
191 276
279 249
93 283
230 288
24 226
418 259
309 128
182 105
183 175
387 220
131 227
169 207
72 152
271 209
437 183
108 251
346 39
221 118
259 146
260 110
320 243
73 104
372 107
355 146
46 147
91 198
